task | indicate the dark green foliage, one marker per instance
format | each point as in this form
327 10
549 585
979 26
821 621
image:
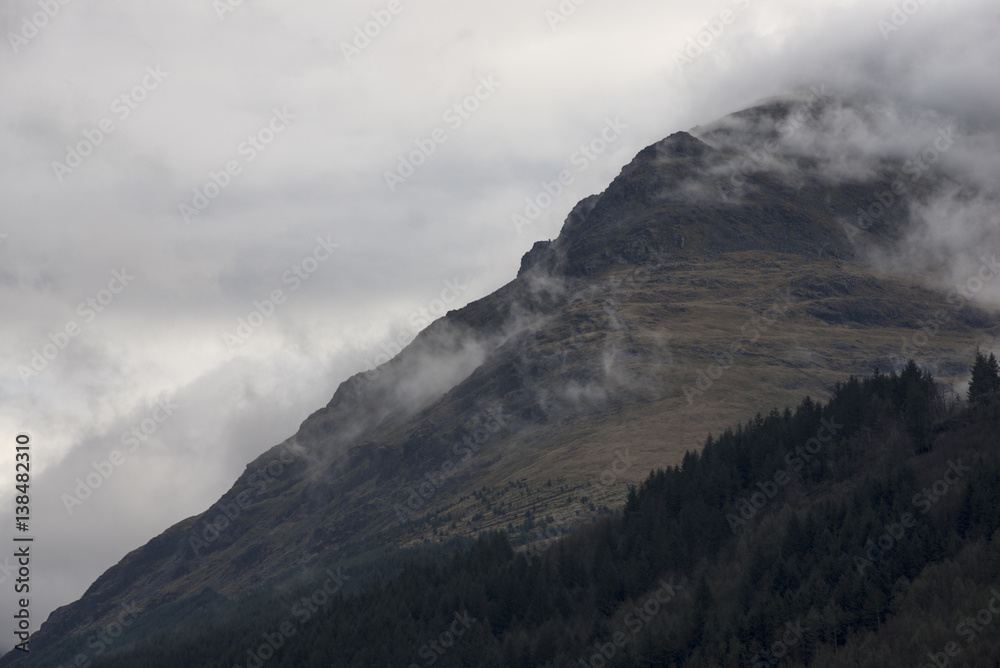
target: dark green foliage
834 478
985 377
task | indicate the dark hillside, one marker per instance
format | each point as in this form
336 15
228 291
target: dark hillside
802 536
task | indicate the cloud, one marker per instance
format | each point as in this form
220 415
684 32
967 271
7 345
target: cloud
325 175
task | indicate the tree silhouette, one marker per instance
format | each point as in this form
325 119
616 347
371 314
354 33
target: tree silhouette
985 377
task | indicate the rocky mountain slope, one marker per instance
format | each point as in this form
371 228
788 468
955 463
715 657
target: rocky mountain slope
697 288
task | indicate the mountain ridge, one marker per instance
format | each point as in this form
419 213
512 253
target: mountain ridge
647 285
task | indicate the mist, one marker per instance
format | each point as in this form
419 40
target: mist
168 335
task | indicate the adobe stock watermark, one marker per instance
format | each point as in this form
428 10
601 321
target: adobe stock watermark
599 486
294 278
455 117
248 149
751 332
224 7
88 310
32 25
138 434
756 160
365 34
228 513
562 13
969 628
416 321
544 539
928 496
747 508
433 650
274 469
915 168
636 619
988 270
703 40
492 421
901 14
925 499
779 648
616 288
101 641
122 107
581 158
302 610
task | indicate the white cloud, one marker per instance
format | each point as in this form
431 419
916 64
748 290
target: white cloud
325 176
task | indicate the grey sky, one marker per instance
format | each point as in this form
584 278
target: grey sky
198 86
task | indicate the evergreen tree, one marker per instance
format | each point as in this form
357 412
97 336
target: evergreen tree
985 377
838 557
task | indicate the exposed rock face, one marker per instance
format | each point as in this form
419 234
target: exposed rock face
603 338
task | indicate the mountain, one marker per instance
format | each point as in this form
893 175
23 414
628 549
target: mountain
725 271
858 532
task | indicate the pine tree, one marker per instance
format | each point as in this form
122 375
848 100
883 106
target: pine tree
985 377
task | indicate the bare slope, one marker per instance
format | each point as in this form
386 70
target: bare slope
668 307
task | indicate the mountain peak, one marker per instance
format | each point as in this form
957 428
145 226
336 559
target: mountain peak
535 382
676 146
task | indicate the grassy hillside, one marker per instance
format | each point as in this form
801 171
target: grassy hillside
663 312
862 531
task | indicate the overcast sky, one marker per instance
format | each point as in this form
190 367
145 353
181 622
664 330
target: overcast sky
164 166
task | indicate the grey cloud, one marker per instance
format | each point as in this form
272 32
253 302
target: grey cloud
325 175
